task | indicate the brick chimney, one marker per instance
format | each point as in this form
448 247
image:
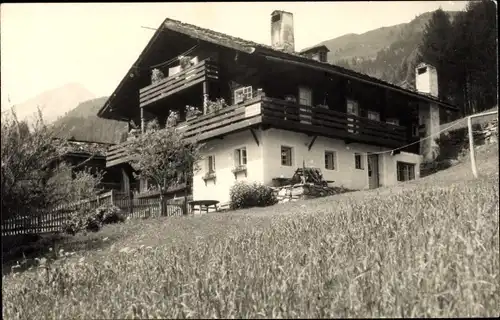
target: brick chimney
282 37
426 79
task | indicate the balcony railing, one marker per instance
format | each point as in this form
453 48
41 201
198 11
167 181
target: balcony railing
117 154
320 121
206 69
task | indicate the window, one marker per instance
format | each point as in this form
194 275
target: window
242 94
286 156
406 171
240 157
322 56
393 121
352 107
358 161
330 160
372 115
211 164
305 96
414 130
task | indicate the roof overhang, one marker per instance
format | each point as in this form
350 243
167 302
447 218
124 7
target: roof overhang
326 67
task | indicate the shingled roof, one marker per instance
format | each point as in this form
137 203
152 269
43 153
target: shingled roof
251 47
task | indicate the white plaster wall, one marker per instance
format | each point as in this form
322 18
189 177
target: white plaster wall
389 164
223 150
264 162
345 173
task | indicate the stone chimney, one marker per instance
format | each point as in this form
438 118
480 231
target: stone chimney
426 79
282 37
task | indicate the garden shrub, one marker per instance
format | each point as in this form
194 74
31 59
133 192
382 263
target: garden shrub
247 195
91 220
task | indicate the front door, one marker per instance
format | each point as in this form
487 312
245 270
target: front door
373 177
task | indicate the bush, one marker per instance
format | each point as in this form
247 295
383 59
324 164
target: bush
90 220
247 195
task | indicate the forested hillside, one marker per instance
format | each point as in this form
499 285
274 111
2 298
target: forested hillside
461 45
83 124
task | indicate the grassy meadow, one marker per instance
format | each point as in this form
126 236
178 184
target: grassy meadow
428 248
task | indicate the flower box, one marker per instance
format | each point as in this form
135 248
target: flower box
209 176
239 169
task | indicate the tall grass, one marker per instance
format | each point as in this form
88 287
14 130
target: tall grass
425 252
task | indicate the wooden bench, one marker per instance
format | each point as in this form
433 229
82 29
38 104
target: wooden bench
203 205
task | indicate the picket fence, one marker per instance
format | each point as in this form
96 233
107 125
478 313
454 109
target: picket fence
54 219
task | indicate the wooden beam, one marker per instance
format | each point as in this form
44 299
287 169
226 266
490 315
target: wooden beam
254 136
312 142
205 96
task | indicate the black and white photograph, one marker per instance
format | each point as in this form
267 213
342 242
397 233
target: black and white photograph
241 160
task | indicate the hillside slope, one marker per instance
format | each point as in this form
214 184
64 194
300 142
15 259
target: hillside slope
388 53
82 123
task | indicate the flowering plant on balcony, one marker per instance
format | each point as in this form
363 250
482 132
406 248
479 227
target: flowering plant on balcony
172 119
156 76
185 62
192 111
216 106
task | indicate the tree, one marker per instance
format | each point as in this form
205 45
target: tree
465 54
435 49
163 155
33 177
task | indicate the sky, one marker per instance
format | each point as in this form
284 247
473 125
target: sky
47 45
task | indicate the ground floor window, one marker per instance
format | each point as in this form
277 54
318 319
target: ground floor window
406 171
286 156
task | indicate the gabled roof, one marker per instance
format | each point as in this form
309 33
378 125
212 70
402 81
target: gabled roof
251 47
320 47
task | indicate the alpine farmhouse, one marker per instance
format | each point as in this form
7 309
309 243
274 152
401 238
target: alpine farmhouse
285 109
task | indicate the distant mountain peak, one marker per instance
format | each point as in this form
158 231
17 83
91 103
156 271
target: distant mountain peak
53 103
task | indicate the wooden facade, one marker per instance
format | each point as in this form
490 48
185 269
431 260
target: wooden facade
284 91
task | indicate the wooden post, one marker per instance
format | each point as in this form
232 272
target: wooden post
142 120
205 96
471 147
471 140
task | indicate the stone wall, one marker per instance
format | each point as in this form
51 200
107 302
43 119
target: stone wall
302 191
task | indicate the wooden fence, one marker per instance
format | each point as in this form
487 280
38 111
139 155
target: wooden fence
54 219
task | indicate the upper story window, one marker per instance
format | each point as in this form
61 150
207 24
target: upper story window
242 94
415 130
322 56
305 96
352 107
372 115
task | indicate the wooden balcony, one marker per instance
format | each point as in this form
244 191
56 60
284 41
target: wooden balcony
275 113
324 122
280 114
191 76
117 154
